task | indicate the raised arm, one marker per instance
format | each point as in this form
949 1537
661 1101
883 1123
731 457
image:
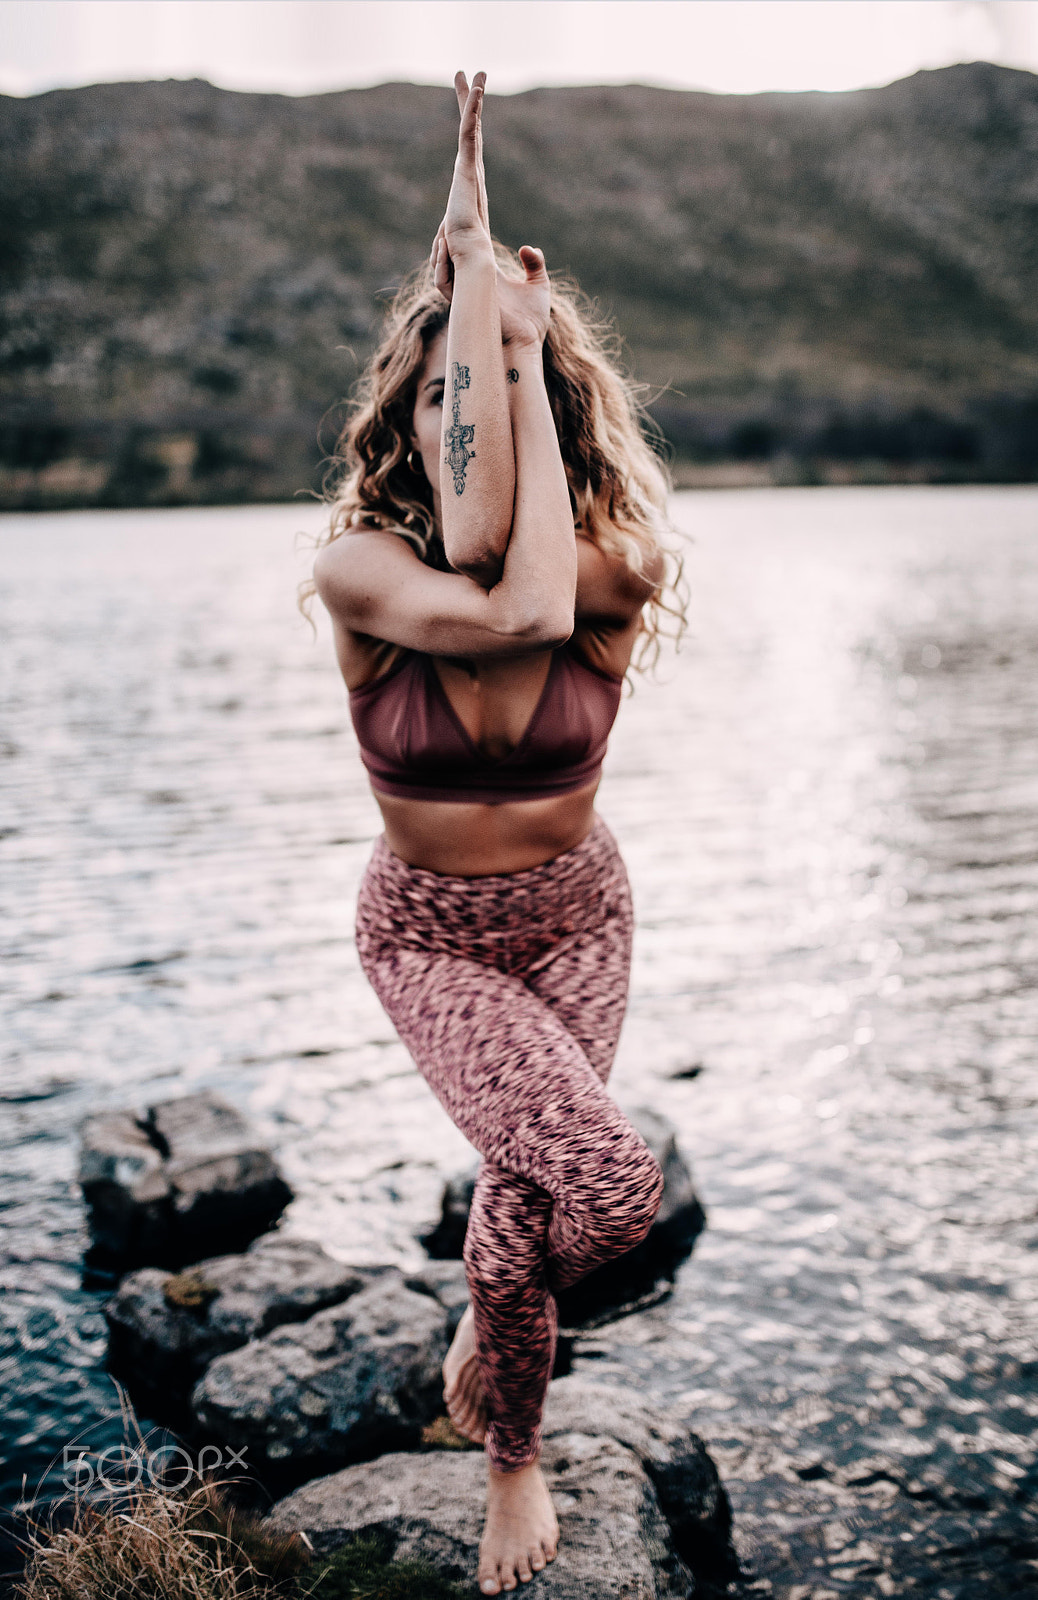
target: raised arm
514 587
543 517
477 465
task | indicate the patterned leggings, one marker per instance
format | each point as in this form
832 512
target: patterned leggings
509 992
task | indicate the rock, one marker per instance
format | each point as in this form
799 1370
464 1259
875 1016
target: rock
621 1284
603 1453
446 1240
189 1177
123 1178
614 1539
225 1184
355 1379
685 1479
165 1330
445 1281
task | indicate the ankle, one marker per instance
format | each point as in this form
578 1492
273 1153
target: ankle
503 1476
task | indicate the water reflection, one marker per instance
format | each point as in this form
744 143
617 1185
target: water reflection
828 808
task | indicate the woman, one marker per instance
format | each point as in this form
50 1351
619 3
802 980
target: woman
491 553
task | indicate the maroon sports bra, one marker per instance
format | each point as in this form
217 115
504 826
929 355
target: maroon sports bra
415 746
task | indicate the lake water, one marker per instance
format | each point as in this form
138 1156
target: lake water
829 807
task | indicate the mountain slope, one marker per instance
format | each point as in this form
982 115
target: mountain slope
818 283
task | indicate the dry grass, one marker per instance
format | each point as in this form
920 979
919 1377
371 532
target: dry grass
135 1543
441 1434
151 1544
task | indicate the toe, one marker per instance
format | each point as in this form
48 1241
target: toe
523 1569
489 1583
462 1418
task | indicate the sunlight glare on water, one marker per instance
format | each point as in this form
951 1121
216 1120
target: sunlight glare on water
828 804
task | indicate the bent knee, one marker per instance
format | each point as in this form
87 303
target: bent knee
646 1196
624 1211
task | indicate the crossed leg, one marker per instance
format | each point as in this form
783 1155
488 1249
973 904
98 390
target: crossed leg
567 1184
585 987
517 1083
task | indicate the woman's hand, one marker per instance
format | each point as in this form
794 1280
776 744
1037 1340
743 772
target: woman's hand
465 230
525 303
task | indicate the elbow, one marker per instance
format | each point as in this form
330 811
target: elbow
483 567
480 558
556 634
541 629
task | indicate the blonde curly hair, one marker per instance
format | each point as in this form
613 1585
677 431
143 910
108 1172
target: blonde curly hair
618 482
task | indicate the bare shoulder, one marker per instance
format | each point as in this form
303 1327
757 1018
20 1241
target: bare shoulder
608 589
349 574
610 597
344 568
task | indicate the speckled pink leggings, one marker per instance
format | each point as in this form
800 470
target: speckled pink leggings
509 993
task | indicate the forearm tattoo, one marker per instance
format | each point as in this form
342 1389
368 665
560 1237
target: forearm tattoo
460 434
513 376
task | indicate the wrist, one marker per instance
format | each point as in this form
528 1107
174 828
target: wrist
525 353
524 369
472 256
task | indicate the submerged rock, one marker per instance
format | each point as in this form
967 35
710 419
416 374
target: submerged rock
352 1380
188 1178
641 1510
165 1329
620 1284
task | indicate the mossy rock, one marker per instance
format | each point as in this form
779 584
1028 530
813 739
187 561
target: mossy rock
189 1291
364 1570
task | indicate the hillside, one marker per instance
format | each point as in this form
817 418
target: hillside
815 286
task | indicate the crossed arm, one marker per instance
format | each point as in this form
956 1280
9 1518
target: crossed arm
501 473
505 511
504 499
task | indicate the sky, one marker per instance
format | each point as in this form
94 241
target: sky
308 46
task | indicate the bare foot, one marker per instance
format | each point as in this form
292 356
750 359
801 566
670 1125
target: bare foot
521 1534
462 1389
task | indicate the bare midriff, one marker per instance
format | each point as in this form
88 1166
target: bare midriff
466 840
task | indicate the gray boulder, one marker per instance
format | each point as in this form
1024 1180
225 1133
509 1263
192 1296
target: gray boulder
351 1381
603 1456
445 1281
674 1458
635 1277
124 1183
165 1329
446 1240
188 1177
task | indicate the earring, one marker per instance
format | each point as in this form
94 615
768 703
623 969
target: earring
410 462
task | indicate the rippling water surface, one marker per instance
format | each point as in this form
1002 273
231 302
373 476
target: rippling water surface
829 806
